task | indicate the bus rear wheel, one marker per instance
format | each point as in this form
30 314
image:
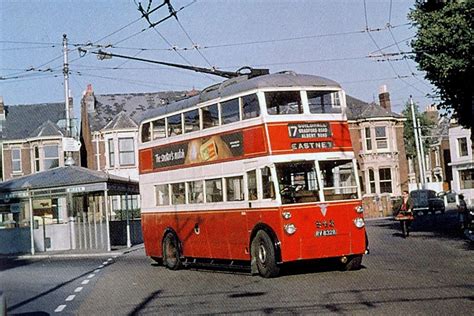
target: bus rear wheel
171 252
352 263
263 253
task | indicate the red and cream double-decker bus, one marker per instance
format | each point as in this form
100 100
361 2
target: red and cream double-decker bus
258 170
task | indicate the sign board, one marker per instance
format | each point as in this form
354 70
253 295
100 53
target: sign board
70 144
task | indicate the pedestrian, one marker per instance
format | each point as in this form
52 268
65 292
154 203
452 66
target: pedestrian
462 211
406 206
405 213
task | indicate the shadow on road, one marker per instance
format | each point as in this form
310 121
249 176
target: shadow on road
431 226
11 262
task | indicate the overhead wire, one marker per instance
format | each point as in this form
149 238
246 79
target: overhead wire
379 49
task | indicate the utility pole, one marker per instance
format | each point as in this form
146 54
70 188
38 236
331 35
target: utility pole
69 160
422 149
417 142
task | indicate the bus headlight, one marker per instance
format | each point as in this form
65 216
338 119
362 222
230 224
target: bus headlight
359 222
359 209
286 215
290 229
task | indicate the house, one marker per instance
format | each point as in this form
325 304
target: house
377 137
109 131
462 162
33 137
438 157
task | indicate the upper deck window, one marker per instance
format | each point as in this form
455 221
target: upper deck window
210 116
230 111
250 107
283 102
324 102
175 126
159 129
191 121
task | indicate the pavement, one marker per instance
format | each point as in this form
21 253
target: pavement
76 253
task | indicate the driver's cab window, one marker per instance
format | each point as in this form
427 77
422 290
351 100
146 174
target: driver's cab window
297 182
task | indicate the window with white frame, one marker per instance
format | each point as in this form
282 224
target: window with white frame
126 151
466 179
462 147
16 159
36 158
214 190
381 137
162 194
368 139
372 181
235 188
195 192
110 143
385 178
51 156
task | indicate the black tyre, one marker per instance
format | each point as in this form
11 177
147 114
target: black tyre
353 263
171 252
263 252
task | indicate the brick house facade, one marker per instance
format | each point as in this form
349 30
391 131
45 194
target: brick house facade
377 137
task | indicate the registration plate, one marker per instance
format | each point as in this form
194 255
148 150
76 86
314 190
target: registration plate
325 232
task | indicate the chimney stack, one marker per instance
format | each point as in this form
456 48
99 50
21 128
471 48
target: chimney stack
89 99
384 98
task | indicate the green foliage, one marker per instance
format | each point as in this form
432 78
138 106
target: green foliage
122 214
408 133
443 48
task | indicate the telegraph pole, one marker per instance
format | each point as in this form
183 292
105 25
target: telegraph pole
417 143
69 160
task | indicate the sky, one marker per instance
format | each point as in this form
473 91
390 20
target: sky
362 44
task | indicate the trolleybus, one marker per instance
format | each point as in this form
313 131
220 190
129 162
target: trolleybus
253 170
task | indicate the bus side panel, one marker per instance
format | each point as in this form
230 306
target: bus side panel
145 157
255 141
152 234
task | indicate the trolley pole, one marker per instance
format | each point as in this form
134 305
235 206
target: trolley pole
69 160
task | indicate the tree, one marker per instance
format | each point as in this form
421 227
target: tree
426 124
443 48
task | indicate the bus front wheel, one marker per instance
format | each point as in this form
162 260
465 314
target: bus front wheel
263 253
171 252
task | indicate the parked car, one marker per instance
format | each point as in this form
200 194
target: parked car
426 201
450 198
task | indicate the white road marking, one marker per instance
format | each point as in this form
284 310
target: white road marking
85 282
90 276
70 298
78 289
60 308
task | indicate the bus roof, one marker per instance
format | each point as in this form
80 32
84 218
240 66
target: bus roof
241 84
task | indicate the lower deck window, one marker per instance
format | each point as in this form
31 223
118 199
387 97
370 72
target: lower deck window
214 190
195 192
178 193
162 194
235 188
